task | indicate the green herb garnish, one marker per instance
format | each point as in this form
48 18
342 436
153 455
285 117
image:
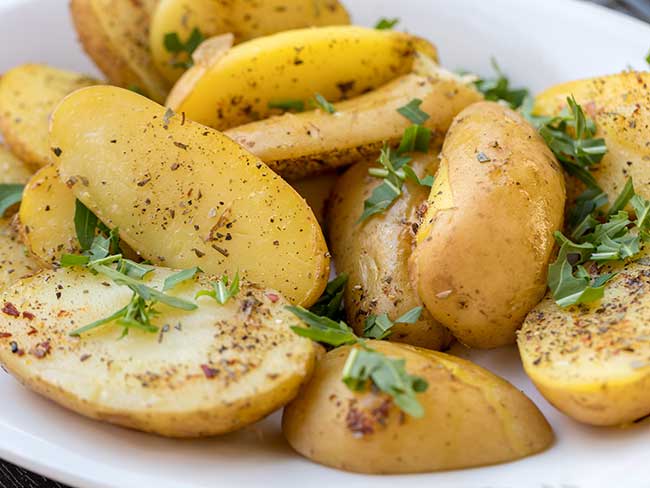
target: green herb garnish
379 326
180 277
386 24
222 290
10 194
85 224
288 105
324 104
647 58
413 113
330 304
174 45
498 88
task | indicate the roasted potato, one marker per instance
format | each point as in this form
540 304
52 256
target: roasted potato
296 145
316 191
485 242
472 418
115 34
15 262
12 169
592 361
620 107
28 94
46 217
243 18
210 371
183 195
375 253
227 88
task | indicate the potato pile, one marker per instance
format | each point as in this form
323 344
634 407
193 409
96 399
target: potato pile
167 236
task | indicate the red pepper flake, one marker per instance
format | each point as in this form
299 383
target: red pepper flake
41 350
29 315
209 372
5 335
273 297
10 309
32 331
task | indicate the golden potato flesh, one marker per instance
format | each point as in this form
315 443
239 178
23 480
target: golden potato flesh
243 18
238 86
206 372
183 195
15 262
592 361
115 34
472 418
28 95
46 217
620 107
375 253
486 239
12 169
295 145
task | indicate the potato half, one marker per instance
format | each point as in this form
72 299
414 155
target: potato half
12 169
486 239
208 371
375 253
115 34
183 195
620 107
592 361
295 145
28 95
243 18
472 418
235 86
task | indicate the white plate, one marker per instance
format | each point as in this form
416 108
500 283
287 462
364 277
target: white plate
539 43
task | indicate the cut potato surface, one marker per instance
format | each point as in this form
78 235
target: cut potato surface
471 418
620 107
15 262
28 95
12 169
296 145
115 34
208 371
243 18
237 86
592 361
183 195
46 217
375 253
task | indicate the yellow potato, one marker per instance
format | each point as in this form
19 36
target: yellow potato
184 195
243 18
12 169
296 145
115 34
209 371
230 88
316 191
593 361
620 107
471 418
28 94
375 253
46 218
485 242
14 260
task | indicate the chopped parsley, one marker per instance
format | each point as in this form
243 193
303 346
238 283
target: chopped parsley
386 24
222 290
330 304
647 58
287 105
498 88
10 194
379 326
180 49
324 104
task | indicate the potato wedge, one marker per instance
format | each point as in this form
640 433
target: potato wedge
316 191
235 87
593 361
15 263
620 107
375 253
184 195
296 145
243 18
210 371
12 169
28 94
46 217
115 34
485 242
366 433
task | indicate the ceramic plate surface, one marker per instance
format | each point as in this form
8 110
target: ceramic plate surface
538 43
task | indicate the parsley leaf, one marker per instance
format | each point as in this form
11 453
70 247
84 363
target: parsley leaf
378 326
288 105
180 277
85 224
10 194
413 113
647 58
222 290
330 303
174 45
386 24
324 104
498 88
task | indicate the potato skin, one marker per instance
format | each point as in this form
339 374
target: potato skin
12 169
472 418
484 245
244 19
188 196
115 35
359 60
591 361
28 95
620 107
223 367
375 253
296 145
